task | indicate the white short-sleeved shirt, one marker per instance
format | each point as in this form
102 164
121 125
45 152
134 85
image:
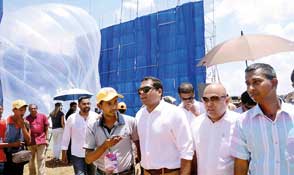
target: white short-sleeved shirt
212 144
165 137
125 126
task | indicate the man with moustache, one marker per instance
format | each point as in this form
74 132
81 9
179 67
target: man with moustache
212 133
260 138
75 130
109 140
165 136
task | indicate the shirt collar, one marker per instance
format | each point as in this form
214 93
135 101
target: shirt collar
224 117
120 120
256 110
158 108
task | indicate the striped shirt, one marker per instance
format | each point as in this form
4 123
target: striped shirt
264 142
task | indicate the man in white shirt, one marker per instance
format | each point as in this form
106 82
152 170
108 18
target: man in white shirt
212 133
165 137
191 107
75 129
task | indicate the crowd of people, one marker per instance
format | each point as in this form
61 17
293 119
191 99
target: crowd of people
204 138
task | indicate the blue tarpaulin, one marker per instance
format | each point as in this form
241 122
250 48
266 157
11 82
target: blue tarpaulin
167 44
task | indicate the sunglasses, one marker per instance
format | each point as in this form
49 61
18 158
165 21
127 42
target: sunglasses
213 98
186 99
144 89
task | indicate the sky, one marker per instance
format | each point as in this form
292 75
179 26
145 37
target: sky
273 17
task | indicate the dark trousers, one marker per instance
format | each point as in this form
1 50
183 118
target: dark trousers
2 168
11 168
81 167
68 152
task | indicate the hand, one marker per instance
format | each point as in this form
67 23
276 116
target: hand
47 143
112 141
64 158
138 169
19 121
191 107
17 144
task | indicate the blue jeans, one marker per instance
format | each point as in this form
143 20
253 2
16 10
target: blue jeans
81 167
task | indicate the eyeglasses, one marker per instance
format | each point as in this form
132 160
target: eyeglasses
213 98
144 89
186 99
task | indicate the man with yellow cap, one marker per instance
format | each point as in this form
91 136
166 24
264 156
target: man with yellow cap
17 132
109 140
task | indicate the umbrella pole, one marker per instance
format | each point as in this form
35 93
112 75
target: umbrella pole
246 62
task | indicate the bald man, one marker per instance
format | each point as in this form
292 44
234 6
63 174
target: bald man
212 133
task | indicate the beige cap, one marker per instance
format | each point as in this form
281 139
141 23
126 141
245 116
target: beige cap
18 104
107 94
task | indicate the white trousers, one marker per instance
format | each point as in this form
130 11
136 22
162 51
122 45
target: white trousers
57 139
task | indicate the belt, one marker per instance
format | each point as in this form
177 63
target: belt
125 172
161 170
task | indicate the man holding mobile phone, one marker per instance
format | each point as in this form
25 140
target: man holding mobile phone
109 140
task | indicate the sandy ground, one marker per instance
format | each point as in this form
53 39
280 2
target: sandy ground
53 168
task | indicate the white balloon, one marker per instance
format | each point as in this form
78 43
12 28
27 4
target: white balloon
47 48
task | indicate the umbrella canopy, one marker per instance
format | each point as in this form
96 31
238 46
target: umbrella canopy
246 47
72 94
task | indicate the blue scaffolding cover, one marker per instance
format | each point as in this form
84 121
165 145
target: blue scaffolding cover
167 44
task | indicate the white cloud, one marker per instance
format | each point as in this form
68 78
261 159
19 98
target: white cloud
286 31
256 16
233 77
130 7
255 11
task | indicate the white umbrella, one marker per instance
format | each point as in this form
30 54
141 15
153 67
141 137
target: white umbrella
246 47
72 94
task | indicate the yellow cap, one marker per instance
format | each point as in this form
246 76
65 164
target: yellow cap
18 104
121 105
107 94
